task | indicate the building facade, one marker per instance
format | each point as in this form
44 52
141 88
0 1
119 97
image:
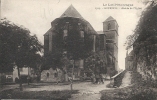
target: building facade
72 35
129 61
110 29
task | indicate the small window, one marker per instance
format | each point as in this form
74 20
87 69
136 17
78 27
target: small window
47 75
82 34
65 34
66 26
109 26
55 75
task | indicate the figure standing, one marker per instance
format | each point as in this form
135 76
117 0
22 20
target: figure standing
101 79
93 78
97 78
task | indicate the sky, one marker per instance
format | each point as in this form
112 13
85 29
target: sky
37 15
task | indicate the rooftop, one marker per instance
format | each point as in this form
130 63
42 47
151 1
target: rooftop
100 32
109 19
71 12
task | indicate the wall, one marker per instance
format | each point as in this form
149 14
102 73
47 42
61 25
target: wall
129 63
112 23
112 40
148 71
52 77
46 44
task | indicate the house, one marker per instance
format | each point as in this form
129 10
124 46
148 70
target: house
129 61
71 32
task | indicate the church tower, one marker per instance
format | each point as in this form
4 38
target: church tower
110 28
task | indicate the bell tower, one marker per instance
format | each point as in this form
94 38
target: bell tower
110 28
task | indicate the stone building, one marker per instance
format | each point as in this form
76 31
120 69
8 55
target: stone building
129 61
110 29
71 29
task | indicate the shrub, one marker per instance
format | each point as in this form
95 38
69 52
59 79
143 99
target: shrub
135 92
50 95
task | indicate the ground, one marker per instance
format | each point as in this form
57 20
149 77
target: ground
86 90
126 81
89 91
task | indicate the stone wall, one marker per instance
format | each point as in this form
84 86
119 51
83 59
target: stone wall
53 77
145 65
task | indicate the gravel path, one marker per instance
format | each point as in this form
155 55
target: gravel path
90 91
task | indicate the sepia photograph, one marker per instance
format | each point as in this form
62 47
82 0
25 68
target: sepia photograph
78 49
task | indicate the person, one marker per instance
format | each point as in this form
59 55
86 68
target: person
97 78
85 76
101 79
93 78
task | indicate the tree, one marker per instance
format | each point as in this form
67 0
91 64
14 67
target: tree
96 64
18 47
144 40
146 26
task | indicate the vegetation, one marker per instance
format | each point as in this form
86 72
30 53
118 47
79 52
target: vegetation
129 93
146 26
140 90
144 42
95 63
48 95
18 48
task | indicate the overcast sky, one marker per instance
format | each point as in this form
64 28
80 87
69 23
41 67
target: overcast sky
36 15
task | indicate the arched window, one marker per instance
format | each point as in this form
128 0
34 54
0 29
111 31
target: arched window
66 26
109 26
82 34
65 35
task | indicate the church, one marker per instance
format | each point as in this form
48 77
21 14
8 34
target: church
75 38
